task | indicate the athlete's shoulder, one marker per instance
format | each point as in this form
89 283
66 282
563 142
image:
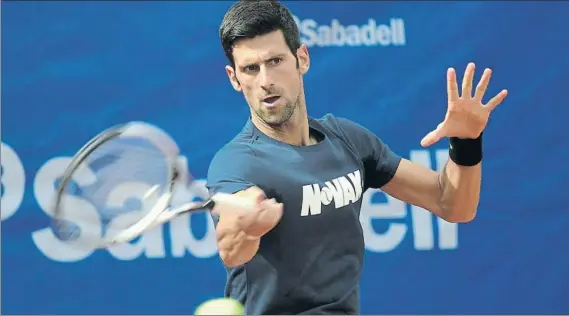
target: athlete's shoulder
233 167
235 152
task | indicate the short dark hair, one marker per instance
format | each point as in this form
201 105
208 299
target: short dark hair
247 19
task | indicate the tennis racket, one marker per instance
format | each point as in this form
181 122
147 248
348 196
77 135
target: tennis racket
120 184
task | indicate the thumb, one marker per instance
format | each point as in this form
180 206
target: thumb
433 136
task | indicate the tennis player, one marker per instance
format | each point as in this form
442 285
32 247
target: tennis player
301 251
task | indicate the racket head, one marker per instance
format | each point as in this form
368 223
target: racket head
123 176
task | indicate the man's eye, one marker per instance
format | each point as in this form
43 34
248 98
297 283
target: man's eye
275 61
251 68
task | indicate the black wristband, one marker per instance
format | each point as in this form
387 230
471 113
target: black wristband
466 151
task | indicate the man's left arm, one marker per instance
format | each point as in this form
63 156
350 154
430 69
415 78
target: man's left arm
452 194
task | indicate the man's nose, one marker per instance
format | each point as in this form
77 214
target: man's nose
266 80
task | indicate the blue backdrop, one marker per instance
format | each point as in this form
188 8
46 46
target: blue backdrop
71 69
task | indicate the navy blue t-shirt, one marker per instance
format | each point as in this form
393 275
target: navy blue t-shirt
311 262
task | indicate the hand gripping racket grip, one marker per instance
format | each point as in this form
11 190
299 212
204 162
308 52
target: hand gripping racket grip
231 202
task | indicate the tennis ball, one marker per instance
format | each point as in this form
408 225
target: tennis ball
220 306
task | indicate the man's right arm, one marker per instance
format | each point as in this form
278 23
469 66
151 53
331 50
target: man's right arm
238 232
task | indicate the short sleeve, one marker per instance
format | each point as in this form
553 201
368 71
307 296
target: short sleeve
230 168
379 161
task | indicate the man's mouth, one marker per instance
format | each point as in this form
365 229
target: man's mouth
271 100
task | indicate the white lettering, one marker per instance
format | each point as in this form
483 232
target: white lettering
13 181
356 179
311 201
336 34
334 192
348 189
341 190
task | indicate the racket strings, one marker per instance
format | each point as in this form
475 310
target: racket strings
123 171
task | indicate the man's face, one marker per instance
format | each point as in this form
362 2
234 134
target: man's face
268 75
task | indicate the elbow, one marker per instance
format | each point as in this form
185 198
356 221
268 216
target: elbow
460 219
459 213
231 258
232 261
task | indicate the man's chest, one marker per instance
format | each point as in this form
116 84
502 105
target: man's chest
320 188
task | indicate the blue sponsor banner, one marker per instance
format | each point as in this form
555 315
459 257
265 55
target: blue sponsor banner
71 69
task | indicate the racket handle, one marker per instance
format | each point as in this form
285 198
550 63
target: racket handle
231 201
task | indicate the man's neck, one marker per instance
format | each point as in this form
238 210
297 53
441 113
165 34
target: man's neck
295 131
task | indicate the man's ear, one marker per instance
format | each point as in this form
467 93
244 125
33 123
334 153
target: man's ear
303 59
233 78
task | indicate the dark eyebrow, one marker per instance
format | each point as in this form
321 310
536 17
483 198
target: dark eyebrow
275 56
281 55
244 67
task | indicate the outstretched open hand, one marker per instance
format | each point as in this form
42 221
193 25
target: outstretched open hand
466 116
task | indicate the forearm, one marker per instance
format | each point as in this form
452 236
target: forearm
236 247
460 180
460 186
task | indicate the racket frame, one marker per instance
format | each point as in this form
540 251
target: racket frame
147 220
